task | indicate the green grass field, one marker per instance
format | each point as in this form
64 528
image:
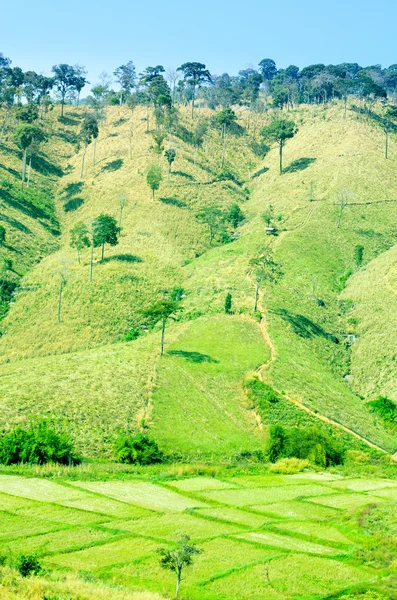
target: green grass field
261 537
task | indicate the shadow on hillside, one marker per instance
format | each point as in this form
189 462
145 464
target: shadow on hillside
68 136
67 120
10 170
304 327
299 165
24 206
44 166
120 121
173 202
113 165
16 224
183 174
195 357
71 189
73 204
260 172
184 134
129 258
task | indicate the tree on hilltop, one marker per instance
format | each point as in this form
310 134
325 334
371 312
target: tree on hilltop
125 76
194 74
66 79
279 130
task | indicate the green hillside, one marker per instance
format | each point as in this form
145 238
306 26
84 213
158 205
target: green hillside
192 399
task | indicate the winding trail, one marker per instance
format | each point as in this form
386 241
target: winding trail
274 354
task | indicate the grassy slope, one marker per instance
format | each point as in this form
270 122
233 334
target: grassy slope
29 216
159 245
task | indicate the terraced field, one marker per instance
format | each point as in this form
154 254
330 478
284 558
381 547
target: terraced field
275 536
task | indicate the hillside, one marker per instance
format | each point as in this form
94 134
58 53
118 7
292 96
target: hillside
192 399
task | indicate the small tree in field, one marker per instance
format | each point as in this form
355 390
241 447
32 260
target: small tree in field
79 237
162 311
279 130
89 132
105 231
123 201
228 303
213 217
170 155
343 198
263 268
179 557
154 178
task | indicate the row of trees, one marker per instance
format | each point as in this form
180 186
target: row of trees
313 84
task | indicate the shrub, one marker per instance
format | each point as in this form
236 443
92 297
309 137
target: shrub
131 334
228 304
358 254
137 449
309 443
288 466
384 408
27 564
37 445
261 394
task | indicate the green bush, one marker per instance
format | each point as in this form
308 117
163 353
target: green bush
309 443
137 449
384 408
37 445
27 564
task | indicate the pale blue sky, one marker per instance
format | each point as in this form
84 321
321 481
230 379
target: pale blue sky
227 36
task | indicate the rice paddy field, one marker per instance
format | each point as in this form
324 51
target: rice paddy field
303 536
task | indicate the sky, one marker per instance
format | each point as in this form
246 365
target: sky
225 35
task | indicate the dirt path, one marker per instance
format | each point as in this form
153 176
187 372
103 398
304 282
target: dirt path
274 353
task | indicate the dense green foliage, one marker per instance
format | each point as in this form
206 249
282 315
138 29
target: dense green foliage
138 449
39 444
311 444
385 408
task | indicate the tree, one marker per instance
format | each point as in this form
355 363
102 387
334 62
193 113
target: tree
158 137
195 73
62 283
154 178
268 69
213 217
179 557
125 76
79 237
228 303
67 79
225 118
358 254
2 235
343 197
89 131
25 135
123 201
279 130
105 231
162 311
170 155
268 215
235 216
263 268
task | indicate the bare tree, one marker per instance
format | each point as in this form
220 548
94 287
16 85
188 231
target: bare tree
343 198
63 274
173 77
123 201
